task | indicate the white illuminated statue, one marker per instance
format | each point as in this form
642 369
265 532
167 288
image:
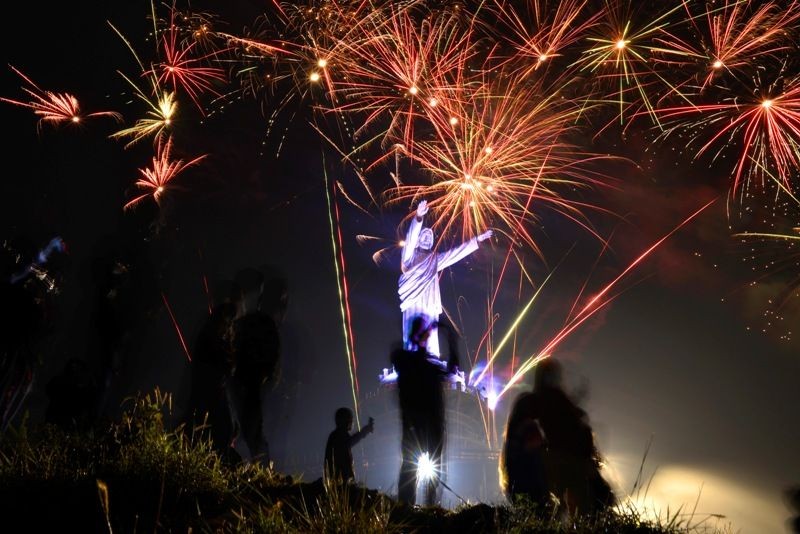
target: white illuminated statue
419 283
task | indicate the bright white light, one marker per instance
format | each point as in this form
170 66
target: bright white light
413 90
314 77
322 63
426 469
542 57
717 64
402 243
491 400
488 150
433 102
621 44
766 103
453 121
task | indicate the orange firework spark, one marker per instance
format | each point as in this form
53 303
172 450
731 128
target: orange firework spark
396 68
155 179
54 108
735 35
506 150
299 46
542 32
199 29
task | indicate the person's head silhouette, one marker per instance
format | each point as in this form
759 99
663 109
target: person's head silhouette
548 375
421 328
344 419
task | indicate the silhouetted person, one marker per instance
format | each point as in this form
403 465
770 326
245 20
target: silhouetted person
72 396
256 353
211 368
522 458
338 449
421 396
569 456
282 395
792 496
127 294
28 285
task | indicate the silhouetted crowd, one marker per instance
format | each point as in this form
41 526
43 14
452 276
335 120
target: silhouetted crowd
236 359
549 453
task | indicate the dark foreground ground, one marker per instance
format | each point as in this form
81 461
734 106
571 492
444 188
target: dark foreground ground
133 475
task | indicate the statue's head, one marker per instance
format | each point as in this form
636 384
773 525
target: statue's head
425 239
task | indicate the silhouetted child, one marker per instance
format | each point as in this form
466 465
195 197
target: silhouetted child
338 449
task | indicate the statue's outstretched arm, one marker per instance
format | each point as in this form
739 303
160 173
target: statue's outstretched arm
412 236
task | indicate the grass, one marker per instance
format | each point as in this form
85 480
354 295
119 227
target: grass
134 475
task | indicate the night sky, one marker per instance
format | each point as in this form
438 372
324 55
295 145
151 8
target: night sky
682 358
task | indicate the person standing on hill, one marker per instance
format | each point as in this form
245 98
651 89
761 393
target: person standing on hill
338 449
550 447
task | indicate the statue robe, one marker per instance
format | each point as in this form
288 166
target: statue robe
419 283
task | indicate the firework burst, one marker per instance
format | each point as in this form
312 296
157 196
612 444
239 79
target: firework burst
155 180
504 157
54 108
157 119
622 58
542 32
764 127
182 69
733 37
397 68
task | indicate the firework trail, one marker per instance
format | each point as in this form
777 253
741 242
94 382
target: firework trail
54 108
344 305
176 326
594 304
